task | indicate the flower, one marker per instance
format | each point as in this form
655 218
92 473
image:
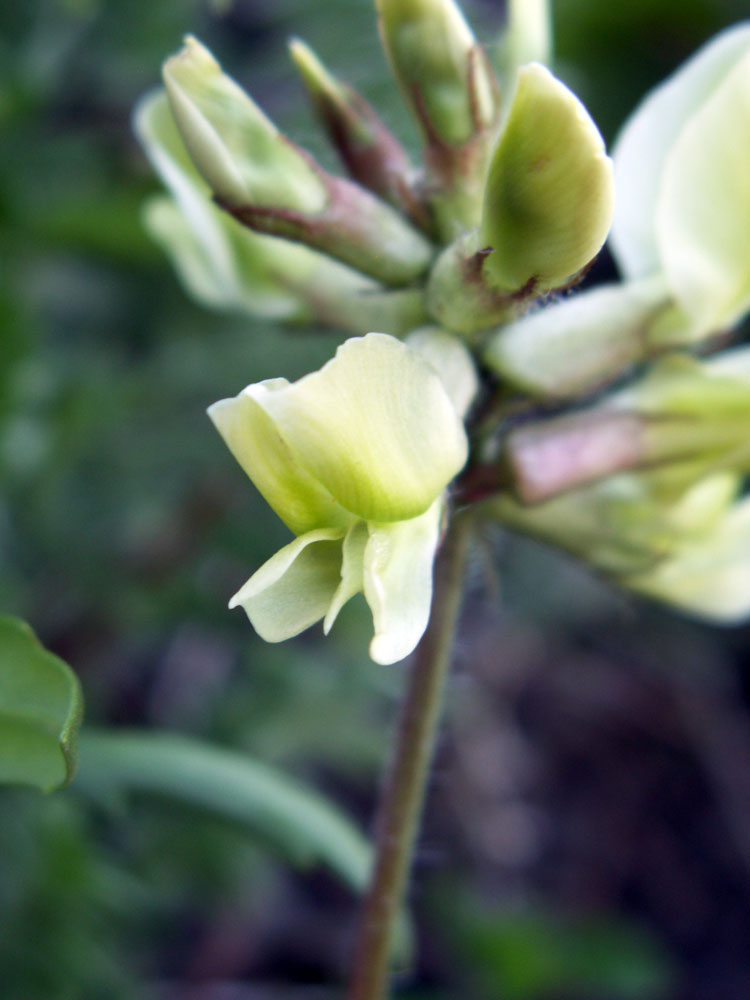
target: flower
677 526
683 189
445 77
355 459
709 576
680 235
685 412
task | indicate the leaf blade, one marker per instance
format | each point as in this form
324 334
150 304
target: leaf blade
41 707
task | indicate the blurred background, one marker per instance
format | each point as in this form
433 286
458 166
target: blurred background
588 830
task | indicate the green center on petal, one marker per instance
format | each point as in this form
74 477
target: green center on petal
375 428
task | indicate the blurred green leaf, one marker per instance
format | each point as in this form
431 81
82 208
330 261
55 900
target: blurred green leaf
40 711
534 956
297 823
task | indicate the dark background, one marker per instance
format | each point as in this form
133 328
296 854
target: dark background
588 832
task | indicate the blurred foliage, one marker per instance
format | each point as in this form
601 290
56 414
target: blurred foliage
40 711
125 525
531 956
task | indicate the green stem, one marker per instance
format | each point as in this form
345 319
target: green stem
403 796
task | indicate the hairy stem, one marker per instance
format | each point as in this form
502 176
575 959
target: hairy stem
404 792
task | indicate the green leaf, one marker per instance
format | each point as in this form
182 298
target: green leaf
537 955
296 822
40 711
286 817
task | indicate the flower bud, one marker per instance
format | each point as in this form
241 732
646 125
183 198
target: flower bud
554 456
449 85
709 576
438 64
527 36
458 294
225 265
371 153
625 524
549 193
272 186
236 149
681 414
578 344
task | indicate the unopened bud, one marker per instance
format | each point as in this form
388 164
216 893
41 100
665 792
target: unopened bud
438 63
527 36
553 456
449 85
549 194
240 153
682 414
225 265
578 344
458 295
709 576
627 524
371 153
272 186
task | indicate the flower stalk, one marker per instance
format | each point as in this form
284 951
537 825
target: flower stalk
403 796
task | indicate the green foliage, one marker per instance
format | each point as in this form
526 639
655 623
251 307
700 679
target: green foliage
40 711
535 956
290 819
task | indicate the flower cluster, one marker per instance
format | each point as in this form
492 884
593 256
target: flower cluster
512 201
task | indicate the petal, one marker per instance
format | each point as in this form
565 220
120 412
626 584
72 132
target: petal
452 360
734 362
398 582
254 440
646 139
293 590
352 569
549 193
703 213
375 427
710 577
